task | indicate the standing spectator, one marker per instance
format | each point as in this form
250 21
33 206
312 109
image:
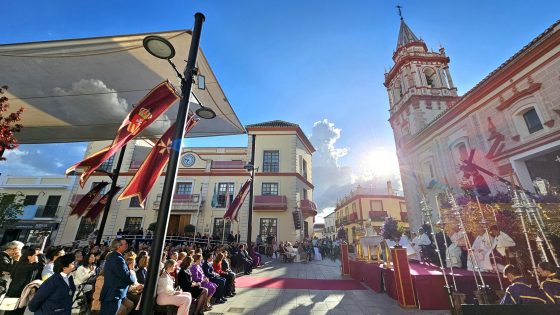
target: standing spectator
55 294
117 279
52 256
166 293
26 270
8 258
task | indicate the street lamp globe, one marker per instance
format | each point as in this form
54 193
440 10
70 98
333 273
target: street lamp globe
205 112
159 47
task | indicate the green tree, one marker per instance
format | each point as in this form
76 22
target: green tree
10 208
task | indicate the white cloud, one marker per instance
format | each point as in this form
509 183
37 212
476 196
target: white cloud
100 100
333 181
41 159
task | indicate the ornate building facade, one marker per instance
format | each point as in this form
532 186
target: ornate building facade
208 180
508 125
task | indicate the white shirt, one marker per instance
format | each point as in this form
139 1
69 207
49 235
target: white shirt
65 277
482 243
458 238
82 274
422 239
502 241
166 285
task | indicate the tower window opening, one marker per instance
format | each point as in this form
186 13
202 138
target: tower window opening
430 75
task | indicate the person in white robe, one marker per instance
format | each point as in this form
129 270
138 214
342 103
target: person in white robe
481 249
405 243
421 240
454 251
501 242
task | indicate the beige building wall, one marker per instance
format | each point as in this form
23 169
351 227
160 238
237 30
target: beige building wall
362 208
204 171
47 202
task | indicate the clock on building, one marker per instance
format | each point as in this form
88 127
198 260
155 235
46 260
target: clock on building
188 160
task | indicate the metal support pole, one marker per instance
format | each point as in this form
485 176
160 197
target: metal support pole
250 216
149 294
114 178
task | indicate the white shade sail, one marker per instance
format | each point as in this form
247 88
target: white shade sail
82 89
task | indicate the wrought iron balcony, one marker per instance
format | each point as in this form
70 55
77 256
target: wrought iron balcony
308 208
182 202
270 203
378 215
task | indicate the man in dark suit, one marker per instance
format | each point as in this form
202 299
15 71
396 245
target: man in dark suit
214 277
56 293
117 279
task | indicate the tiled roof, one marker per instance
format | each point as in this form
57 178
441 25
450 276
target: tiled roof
273 123
406 35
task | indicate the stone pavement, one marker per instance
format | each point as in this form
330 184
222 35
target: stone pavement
263 301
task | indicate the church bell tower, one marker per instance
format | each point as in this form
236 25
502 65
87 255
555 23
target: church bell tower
419 85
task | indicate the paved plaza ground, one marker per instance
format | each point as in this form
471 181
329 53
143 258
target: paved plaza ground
262 301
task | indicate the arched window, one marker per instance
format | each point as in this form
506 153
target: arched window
430 75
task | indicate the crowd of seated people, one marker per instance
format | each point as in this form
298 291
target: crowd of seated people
109 279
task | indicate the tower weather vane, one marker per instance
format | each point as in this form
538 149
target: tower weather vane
399 7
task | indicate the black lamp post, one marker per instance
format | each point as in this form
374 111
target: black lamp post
161 48
251 168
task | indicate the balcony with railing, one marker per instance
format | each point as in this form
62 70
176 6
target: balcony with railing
40 212
378 215
270 203
308 208
182 202
404 216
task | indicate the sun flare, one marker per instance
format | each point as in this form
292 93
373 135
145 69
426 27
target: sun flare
379 163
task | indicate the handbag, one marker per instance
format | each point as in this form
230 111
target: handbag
9 304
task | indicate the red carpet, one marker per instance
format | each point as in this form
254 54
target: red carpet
294 283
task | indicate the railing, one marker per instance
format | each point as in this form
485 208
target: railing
31 212
404 216
308 207
270 203
228 164
378 215
182 202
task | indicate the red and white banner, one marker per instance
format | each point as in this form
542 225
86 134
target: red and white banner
155 103
150 170
233 209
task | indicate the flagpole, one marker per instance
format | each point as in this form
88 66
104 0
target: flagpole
149 294
114 177
198 210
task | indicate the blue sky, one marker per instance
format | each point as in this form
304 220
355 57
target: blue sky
300 61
